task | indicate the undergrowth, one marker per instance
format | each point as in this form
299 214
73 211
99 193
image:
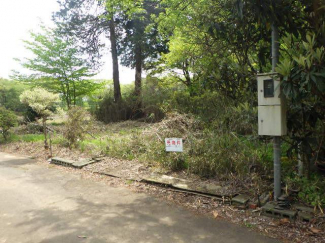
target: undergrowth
207 152
24 138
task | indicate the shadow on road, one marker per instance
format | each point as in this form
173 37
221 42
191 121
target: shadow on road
142 220
12 161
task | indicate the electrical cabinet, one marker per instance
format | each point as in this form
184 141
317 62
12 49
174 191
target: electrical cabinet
271 106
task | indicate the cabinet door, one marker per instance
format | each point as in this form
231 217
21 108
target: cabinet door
272 120
268 91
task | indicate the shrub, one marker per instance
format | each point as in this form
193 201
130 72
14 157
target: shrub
310 190
130 107
77 125
111 111
8 119
220 112
43 103
207 152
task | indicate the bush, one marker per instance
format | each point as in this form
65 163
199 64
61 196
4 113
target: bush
77 125
8 119
130 107
219 111
310 190
207 152
111 111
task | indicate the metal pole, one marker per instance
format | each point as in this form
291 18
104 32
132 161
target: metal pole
275 46
276 140
277 167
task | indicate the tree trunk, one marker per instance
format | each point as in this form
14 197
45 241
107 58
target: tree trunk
74 93
188 80
138 73
46 146
116 75
68 96
65 95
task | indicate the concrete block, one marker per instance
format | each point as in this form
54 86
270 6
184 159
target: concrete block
305 216
240 199
270 210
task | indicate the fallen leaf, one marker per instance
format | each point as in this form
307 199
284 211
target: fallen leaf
315 230
215 214
284 221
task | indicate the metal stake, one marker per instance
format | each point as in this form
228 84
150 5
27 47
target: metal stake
277 167
276 140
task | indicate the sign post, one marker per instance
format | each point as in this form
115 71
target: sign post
174 144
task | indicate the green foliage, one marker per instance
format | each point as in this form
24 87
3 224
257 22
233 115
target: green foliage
40 100
310 190
111 111
130 7
29 138
77 125
220 112
58 66
151 111
140 40
302 68
96 146
303 83
9 95
8 119
208 152
43 103
208 49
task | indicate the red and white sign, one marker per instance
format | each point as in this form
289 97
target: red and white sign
174 144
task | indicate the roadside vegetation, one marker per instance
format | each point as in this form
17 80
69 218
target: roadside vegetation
201 60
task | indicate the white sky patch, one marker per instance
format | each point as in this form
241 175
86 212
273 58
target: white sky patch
17 18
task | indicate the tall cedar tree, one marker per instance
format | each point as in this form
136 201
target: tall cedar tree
89 21
141 43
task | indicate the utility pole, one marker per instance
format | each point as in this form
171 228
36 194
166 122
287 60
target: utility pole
276 139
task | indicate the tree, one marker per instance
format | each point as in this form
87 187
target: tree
221 45
140 42
8 119
227 42
211 46
117 10
124 21
76 18
58 66
43 103
9 95
303 83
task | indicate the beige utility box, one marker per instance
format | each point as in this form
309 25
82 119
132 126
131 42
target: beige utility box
272 119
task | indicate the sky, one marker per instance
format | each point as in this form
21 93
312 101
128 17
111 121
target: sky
17 18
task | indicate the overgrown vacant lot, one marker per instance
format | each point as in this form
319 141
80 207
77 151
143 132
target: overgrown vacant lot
209 153
138 148
208 64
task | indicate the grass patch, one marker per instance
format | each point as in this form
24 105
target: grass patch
31 137
93 146
23 138
207 152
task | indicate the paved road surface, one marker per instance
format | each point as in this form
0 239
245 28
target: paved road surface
39 203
